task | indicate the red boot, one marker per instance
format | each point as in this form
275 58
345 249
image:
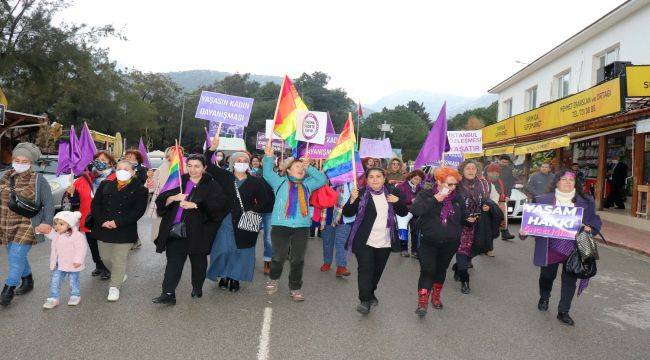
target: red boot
435 296
342 271
423 302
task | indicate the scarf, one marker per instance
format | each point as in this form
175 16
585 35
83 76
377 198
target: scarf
361 213
447 207
566 199
297 199
474 192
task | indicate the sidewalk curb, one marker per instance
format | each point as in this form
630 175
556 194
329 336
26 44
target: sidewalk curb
623 246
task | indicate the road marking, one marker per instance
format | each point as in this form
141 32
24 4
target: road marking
263 348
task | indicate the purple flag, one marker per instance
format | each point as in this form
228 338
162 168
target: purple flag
145 154
87 150
436 142
330 126
75 151
63 165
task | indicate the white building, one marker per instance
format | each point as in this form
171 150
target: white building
621 35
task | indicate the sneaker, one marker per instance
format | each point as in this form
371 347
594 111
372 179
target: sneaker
342 271
271 286
297 296
113 294
325 267
74 300
405 253
51 303
364 307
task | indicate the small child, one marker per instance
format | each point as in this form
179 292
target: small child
67 255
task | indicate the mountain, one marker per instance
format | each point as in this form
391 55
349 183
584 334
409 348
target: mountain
433 101
193 79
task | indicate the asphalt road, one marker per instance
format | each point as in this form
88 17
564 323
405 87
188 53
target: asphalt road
498 320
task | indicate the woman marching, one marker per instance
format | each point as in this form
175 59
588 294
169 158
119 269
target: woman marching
291 218
474 238
442 216
410 189
189 222
233 251
550 252
372 237
16 225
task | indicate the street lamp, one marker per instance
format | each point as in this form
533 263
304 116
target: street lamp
180 130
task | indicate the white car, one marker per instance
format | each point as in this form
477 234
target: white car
516 202
46 165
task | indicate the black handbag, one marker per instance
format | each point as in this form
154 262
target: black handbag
19 204
580 268
178 231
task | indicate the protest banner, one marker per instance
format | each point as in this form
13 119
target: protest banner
224 108
311 127
552 221
461 142
451 160
317 151
380 149
262 140
227 130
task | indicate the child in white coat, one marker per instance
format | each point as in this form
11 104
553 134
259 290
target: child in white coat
67 256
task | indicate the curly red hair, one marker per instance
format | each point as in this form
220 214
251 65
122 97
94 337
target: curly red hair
442 173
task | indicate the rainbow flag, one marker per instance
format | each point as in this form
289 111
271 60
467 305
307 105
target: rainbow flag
338 166
286 112
176 169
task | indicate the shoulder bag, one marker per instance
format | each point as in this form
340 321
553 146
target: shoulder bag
21 205
250 220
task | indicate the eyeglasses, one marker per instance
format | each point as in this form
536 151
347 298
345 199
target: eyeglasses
452 185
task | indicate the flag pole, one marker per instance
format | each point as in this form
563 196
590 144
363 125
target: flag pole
180 160
354 158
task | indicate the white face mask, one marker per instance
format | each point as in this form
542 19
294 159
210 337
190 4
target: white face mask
241 167
20 168
123 175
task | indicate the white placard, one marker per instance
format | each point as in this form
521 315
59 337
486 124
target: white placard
462 142
311 126
269 130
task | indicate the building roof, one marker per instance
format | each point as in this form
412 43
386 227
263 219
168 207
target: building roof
598 26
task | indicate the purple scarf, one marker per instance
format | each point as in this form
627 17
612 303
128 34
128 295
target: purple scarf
447 207
361 213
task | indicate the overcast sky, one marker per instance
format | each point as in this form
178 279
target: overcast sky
370 48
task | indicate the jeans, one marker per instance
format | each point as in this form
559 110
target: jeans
547 276
268 247
371 262
57 278
462 264
334 239
289 243
17 262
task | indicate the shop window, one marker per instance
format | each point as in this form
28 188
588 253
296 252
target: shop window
506 109
603 59
561 83
531 98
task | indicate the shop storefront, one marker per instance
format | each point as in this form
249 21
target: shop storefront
588 128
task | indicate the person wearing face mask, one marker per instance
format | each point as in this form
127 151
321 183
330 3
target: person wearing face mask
85 187
442 215
220 158
116 208
551 252
256 170
291 217
410 189
373 234
135 158
16 230
232 258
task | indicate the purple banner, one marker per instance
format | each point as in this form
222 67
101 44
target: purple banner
262 140
451 160
317 151
559 222
224 108
227 130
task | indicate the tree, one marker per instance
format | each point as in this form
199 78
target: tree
419 109
474 119
409 129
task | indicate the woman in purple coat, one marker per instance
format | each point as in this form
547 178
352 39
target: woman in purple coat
550 252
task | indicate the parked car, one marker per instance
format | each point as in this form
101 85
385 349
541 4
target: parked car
59 184
516 202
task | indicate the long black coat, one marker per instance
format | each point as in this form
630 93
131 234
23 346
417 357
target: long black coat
202 223
124 206
428 208
254 195
487 228
361 237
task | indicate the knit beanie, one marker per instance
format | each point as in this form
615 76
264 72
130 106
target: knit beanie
28 150
235 156
70 217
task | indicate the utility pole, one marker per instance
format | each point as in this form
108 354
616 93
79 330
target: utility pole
180 130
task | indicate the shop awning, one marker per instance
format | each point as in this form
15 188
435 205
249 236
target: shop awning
473 155
508 149
542 145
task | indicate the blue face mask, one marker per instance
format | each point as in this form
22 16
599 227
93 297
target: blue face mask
99 165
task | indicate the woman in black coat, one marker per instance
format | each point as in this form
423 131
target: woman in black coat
189 221
373 234
442 215
115 209
232 258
